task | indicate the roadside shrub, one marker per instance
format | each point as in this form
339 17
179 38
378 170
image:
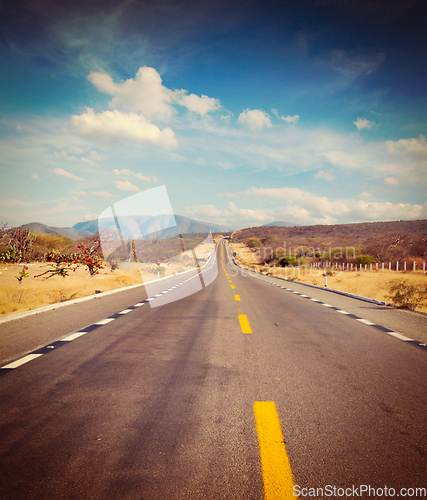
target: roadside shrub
364 259
284 261
407 296
254 243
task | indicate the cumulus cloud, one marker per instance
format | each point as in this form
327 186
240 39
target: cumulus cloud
35 177
63 173
110 126
208 211
144 93
304 207
200 105
63 155
146 178
123 171
147 94
362 123
255 120
126 186
287 119
325 175
416 148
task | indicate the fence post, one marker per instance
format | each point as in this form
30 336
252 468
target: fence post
370 267
397 266
383 267
424 267
414 266
389 267
404 266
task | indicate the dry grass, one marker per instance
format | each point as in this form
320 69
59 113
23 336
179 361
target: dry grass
38 292
245 255
33 292
372 284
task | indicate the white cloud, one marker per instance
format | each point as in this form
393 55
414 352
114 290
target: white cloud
63 173
325 175
287 119
306 208
144 93
362 123
201 211
79 193
63 155
391 181
123 171
290 119
146 178
110 126
147 94
200 105
35 177
341 158
254 120
15 203
126 186
226 165
416 148
352 68
103 194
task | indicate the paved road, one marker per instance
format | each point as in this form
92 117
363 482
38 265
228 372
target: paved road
158 403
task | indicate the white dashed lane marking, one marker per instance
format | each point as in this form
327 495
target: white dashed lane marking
365 321
361 320
21 361
73 336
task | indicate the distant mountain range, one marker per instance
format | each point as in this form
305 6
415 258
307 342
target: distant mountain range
280 223
69 232
147 225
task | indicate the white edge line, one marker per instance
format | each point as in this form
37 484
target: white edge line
22 361
342 312
399 336
104 321
73 336
365 321
125 311
327 305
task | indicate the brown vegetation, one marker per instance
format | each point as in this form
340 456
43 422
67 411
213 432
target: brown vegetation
383 241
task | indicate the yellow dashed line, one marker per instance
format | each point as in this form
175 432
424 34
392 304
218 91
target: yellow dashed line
244 324
276 469
236 297
232 286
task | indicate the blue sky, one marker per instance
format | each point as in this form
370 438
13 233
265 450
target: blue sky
312 112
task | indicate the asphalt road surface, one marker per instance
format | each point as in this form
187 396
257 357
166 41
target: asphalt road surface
182 401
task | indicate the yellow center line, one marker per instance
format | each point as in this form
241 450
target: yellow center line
232 286
244 324
237 297
276 469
